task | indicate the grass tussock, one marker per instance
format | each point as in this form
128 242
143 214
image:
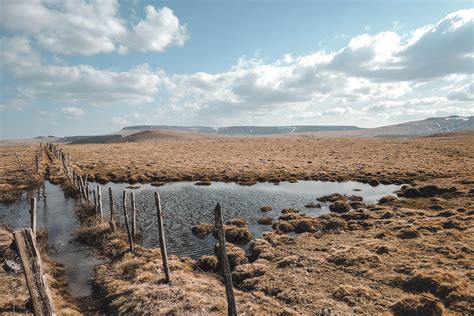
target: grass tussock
135 285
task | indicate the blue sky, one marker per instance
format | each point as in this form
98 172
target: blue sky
78 67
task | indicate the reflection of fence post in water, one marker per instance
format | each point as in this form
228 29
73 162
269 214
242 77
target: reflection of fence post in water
161 234
129 233
95 201
33 215
134 215
111 199
225 266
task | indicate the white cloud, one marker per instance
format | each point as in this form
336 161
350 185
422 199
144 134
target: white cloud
160 29
464 93
72 112
375 77
90 27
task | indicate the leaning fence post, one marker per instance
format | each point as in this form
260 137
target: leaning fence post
161 234
33 215
130 239
225 267
134 214
99 201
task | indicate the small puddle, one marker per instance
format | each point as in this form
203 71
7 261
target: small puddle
186 204
56 214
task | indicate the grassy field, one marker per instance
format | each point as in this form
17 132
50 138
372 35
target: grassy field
407 256
280 158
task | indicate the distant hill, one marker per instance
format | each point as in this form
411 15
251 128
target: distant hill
244 130
192 129
428 126
156 135
141 133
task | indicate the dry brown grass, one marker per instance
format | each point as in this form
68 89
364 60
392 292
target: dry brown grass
281 158
13 180
408 256
367 267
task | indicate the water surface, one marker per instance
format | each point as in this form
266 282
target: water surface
186 204
56 214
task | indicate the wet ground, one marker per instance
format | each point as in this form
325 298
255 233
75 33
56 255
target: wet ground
186 204
56 213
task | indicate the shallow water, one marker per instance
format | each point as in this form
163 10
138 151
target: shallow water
186 204
56 213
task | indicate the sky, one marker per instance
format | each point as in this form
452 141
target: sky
77 67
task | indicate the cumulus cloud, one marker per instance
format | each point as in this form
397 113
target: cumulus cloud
160 29
72 112
90 27
75 84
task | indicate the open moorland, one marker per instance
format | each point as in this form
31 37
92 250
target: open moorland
411 255
248 160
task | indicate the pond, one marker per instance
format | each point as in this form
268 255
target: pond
186 204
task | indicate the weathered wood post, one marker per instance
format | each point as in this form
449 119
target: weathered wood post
33 270
225 266
37 164
134 215
129 233
99 202
74 180
33 215
161 234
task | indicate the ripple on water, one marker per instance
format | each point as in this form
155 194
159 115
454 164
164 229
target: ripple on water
186 204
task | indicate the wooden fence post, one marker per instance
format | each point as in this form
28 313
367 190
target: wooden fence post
33 215
134 215
99 202
95 201
225 267
161 234
129 233
33 270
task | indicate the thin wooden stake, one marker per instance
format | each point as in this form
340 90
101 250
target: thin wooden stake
33 215
161 234
129 233
99 202
95 201
134 215
225 266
